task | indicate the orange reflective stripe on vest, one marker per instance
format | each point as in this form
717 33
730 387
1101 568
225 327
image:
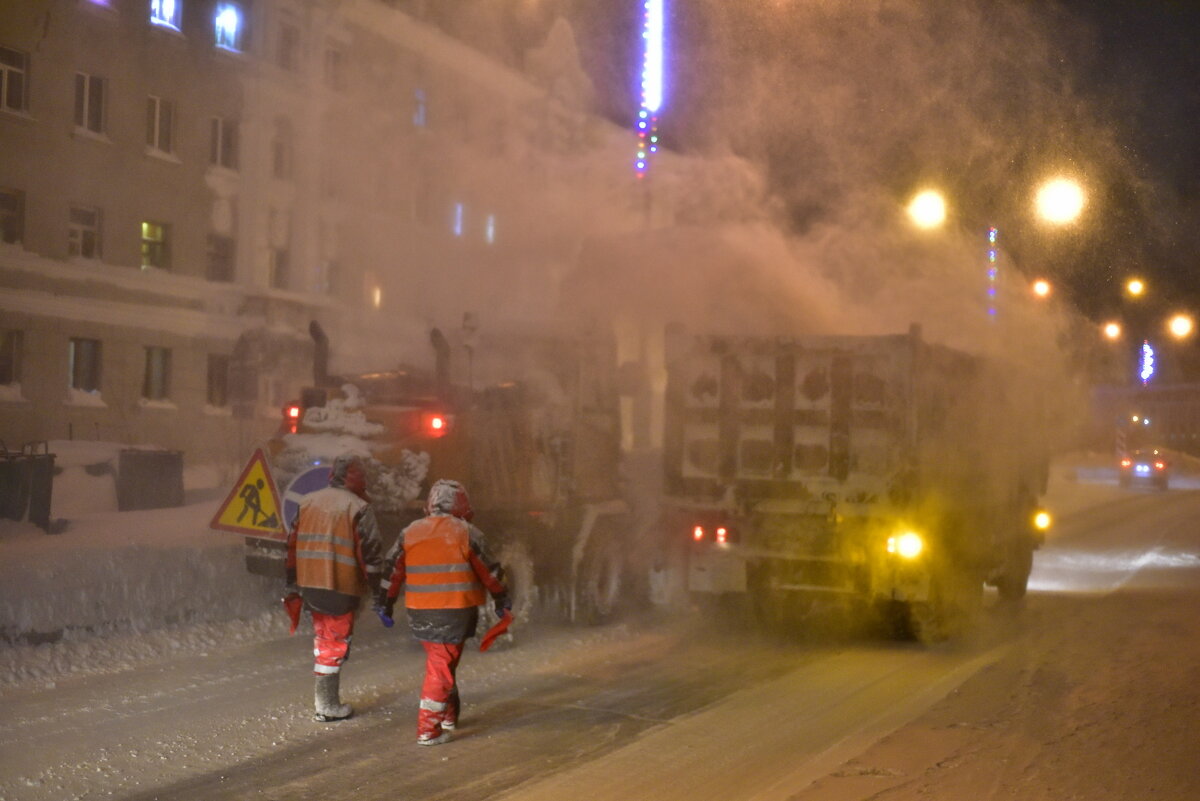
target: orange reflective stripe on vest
438 573
326 544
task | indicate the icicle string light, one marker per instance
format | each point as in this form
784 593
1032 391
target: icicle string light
652 84
993 271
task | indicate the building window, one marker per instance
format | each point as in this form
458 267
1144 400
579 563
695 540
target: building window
279 266
156 251
221 253
160 120
167 13
282 150
83 233
14 79
89 102
12 215
218 380
156 383
328 277
84 364
419 109
288 54
228 26
335 68
223 143
456 223
11 347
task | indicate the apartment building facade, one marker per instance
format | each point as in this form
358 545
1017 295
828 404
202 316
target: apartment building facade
185 184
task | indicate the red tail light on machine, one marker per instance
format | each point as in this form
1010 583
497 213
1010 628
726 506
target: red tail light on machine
435 424
719 534
291 417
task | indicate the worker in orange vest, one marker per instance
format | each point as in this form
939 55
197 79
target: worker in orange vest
440 564
333 558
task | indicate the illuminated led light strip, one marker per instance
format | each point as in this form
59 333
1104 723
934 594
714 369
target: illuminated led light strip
1147 365
652 84
993 271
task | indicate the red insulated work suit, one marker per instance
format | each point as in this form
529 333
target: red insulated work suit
333 557
440 564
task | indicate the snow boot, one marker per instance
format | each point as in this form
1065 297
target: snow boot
436 737
329 707
450 718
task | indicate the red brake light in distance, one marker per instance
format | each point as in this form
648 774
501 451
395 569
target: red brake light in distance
435 424
291 417
1126 462
1160 466
698 533
722 535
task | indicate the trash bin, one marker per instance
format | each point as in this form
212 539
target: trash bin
26 483
149 479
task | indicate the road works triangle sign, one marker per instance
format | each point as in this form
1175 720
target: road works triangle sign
253 504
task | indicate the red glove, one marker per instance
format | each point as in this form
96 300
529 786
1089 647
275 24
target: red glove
292 604
495 631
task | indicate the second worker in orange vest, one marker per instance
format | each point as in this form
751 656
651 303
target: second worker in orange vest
442 567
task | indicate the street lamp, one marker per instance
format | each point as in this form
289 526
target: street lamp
1181 326
928 209
1135 287
1060 201
1041 288
1112 331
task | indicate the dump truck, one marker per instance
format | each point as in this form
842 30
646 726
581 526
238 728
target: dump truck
528 420
880 472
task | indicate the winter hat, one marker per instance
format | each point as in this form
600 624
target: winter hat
349 473
449 498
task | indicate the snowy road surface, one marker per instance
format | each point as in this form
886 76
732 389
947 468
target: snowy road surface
1090 691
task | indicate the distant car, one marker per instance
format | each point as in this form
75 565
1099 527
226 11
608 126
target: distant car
1144 467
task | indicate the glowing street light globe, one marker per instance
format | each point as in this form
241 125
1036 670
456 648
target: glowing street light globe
927 209
1181 325
1041 288
1060 201
1112 330
1135 287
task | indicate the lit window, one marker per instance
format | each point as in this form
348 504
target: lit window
156 384
459 214
83 232
227 27
218 379
89 102
83 365
490 229
14 79
419 111
223 143
377 297
160 119
167 13
12 215
155 246
11 347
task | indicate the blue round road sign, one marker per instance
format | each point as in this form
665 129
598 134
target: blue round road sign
310 480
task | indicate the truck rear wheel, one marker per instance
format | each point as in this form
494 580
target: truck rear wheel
1013 582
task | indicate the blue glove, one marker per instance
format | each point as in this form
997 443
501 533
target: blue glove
384 610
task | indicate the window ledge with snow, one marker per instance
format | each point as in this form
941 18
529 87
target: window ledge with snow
148 403
86 133
82 397
17 115
162 155
218 411
11 393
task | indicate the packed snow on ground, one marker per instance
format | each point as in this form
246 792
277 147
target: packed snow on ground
118 587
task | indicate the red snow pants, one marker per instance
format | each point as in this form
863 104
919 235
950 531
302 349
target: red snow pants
439 693
331 641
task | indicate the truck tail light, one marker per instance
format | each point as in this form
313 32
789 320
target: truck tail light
1160 466
698 533
435 424
1126 462
722 535
291 417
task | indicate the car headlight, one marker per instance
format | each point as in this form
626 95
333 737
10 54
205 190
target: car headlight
1042 520
908 545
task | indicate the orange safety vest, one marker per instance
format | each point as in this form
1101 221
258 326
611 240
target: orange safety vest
327 549
437 565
